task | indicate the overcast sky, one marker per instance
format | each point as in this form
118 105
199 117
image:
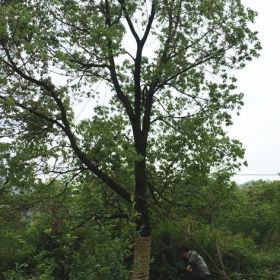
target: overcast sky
258 126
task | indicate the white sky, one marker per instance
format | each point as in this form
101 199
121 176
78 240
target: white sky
258 126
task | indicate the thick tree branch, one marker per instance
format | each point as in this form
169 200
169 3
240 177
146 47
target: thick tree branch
150 22
147 113
82 156
137 83
49 88
129 22
122 97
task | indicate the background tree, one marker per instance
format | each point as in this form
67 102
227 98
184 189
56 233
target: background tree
237 235
167 102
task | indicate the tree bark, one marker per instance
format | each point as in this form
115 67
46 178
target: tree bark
141 263
142 246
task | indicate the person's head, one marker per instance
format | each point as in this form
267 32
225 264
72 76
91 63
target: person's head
184 251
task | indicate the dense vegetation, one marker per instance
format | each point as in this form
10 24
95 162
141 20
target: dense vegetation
149 159
66 234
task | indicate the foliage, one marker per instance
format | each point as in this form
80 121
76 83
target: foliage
236 242
153 138
49 230
61 236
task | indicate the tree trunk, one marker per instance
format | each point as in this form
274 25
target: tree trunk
142 246
141 262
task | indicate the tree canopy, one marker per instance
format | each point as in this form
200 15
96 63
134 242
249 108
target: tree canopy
159 78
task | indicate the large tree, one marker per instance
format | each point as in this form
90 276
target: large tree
157 74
